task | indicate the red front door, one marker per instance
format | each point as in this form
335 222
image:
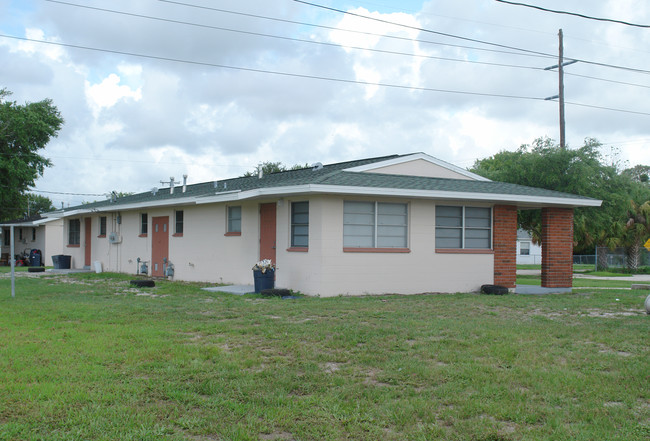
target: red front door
267 231
87 228
159 244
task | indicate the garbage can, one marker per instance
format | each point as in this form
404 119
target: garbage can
65 261
61 261
264 280
35 258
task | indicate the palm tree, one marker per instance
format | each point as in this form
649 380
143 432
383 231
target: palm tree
608 238
637 230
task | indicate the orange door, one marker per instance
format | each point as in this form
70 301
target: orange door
267 231
159 244
87 228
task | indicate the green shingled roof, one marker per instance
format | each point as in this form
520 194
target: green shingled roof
334 175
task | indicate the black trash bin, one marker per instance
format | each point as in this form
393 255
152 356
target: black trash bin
61 261
264 280
65 261
35 258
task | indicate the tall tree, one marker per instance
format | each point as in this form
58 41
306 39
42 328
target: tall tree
579 171
637 231
37 204
269 167
24 130
640 173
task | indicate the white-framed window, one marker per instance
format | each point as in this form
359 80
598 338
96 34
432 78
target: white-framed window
74 232
461 227
524 248
144 223
300 224
179 217
102 226
234 219
375 225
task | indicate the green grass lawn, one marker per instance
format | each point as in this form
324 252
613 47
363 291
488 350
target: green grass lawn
86 357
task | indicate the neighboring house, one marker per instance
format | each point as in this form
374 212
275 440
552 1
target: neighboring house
528 252
35 232
396 224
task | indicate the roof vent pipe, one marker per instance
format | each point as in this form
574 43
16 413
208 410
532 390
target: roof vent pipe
260 172
184 183
171 185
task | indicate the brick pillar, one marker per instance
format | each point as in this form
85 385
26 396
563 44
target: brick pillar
505 245
557 247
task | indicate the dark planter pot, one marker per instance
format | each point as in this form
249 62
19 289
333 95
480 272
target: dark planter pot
264 280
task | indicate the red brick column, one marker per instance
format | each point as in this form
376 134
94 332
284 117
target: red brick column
557 247
505 245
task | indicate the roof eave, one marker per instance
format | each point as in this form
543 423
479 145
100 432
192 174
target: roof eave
523 201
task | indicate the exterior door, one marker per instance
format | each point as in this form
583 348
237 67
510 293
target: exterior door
267 231
159 244
88 238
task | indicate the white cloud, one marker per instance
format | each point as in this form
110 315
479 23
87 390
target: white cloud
132 121
107 93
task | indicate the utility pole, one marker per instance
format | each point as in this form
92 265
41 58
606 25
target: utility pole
560 69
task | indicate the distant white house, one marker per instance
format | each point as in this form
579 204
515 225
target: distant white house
528 252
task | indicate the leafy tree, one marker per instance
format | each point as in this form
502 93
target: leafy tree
269 167
24 130
637 231
39 204
579 171
639 173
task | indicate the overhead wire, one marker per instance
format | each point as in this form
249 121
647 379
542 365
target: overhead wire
392 37
340 80
274 72
575 14
301 40
595 63
515 66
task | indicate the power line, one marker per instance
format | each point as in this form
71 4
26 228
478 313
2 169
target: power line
595 63
589 17
318 42
607 80
312 77
279 73
68 194
300 40
393 37
444 34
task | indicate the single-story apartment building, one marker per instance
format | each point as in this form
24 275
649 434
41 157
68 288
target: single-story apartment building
394 224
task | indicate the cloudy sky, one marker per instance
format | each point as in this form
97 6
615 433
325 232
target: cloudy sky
156 88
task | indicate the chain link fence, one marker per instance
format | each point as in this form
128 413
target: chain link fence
617 258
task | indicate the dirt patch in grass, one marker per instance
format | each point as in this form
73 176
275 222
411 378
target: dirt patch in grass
331 366
276 436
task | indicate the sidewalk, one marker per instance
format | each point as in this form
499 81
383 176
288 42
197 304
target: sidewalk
629 277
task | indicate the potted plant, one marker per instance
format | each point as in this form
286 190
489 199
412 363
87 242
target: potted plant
264 275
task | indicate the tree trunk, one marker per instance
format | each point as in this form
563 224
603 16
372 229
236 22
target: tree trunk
601 263
633 256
